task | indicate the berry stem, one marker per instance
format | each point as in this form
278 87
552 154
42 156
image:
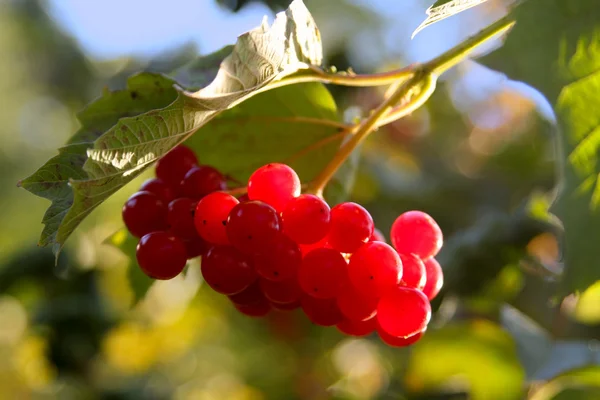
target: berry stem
437 66
414 86
317 145
423 82
346 78
450 58
237 191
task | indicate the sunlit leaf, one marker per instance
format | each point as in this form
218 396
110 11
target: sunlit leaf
144 92
478 357
578 384
555 47
443 9
588 305
261 56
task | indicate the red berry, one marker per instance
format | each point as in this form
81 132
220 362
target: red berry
196 247
322 272
202 180
413 272
226 270
416 232
357 328
324 312
159 188
161 255
403 312
282 292
306 219
252 227
399 341
256 310
173 166
180 217
243 198
435 278
377 236
144 212
375 268
354 305
211 216
275 184
251 295
351 226
307 248
286 306
281 262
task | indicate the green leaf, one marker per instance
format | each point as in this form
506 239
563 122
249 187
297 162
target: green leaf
477 356
443 9
260 57
587 310
144 92
280 125
138 281
577 384
201 71
555 47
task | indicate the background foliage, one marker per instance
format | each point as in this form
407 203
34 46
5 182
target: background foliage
482 162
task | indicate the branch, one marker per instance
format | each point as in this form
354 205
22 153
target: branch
412 88
423 83
450 58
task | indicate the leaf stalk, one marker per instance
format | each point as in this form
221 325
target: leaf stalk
414 85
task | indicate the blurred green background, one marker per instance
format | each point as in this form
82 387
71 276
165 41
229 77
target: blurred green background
479 158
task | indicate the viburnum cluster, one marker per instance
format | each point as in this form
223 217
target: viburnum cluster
275 248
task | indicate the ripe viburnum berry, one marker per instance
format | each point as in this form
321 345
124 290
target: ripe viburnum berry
144 212
354 305
351 226
306 219
286 306
281 262
226 270
357 328
417 233
202 180
196 247
275 184
259 309
435 278
377 236
180 217
413 272
211 216
252 227
403 312
282 292
324 312
160 188
322 272
374 268
251 295
173 166
395 341
276 249
161 255
307 248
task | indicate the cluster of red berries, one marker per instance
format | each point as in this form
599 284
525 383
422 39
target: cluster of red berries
276 248
161 213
